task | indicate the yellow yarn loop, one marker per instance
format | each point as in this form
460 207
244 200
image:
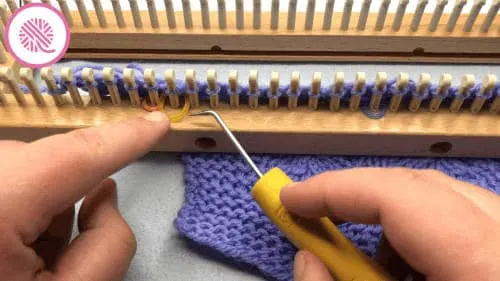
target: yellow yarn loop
174 118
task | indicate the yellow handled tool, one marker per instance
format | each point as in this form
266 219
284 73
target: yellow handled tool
319 236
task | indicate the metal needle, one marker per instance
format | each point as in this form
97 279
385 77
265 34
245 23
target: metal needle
231 137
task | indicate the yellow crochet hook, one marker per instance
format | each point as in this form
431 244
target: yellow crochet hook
319 236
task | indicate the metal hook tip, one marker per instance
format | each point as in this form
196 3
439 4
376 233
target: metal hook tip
197 113
205 112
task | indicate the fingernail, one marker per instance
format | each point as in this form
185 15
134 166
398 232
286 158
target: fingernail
285 189
112 190
300 265
155 116
291 185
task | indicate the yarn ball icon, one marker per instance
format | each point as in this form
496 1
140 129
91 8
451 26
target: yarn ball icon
36 35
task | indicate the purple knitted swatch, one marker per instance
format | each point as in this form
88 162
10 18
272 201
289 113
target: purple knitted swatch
219 212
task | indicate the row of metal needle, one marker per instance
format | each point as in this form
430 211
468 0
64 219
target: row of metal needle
336 93
275 6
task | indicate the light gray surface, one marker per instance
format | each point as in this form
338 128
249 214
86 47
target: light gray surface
150 193
151 190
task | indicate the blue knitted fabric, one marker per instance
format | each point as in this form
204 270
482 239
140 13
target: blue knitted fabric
220 214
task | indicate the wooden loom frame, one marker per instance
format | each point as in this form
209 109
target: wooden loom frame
440 133
283 131
314 45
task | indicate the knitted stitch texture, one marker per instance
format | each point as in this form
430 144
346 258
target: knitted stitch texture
220 214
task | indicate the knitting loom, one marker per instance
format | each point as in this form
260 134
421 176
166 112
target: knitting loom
403 115
323 35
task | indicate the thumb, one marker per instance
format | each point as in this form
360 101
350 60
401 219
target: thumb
309 268
106 244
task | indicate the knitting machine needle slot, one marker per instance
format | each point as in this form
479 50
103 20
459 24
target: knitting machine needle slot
419 51
205 143
441 147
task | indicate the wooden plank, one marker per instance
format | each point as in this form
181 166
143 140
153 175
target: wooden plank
263 130
280 57
158 41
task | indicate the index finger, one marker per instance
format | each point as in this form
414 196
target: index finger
412 208
47 176
365 195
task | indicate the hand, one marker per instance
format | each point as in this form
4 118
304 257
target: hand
40 183
443 228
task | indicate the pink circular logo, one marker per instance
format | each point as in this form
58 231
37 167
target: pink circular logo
37 35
